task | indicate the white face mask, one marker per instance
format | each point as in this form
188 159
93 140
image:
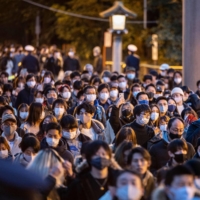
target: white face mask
177 80
178 99
113 93
144 121
104 96
47 80
4 153
163 127
59 111
154 116
128 192
66 95
23 115
71 54
69 135
122 85
39 100
52 142
186 193
28 158
115 85
163 73
21 85
91 97
106 79
31 84
135 93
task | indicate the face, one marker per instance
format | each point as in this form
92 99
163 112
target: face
52 94
137 89
58 105
96 84
171 74
84 116
105 90
147 82
2 147
122 79
65 90
39 95
143 97
30 151
129 179
162 122
4 79
90 91
31 79
7 112
47 120
102 153
177 127
177 75
139 164
126 106
151 89
76 78
1 91
143 115
8 93
183 181
176 95
163 106
53 133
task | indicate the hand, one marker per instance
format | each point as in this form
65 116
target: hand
156 130
68 167
119 102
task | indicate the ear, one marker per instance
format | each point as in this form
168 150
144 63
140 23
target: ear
149 163
170 154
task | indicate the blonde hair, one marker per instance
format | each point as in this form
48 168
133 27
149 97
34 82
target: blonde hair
44 161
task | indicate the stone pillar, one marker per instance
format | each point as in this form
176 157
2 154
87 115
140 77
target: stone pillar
191 42
117 53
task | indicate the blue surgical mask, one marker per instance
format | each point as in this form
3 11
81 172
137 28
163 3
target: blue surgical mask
182 193
143 102
131 76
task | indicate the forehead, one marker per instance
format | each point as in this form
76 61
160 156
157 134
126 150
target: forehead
128 177
177 124
162 101
185 178
137 156
53 132
92 90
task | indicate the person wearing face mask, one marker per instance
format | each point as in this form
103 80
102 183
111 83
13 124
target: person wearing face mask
54 140
27 94
177 79
134 90
143 132
177 150
39 97
113 94
179 184
9 126
98 62
177 94
163 70
71 63
128 186
89 126
130 74
90 98
103 96
158 148
162 104
142 98
151 91
5 149
30 146
71 134
154 118
106 76
172 108
94 183
77 86
123 86
139 160
22 113
37 114
59 108
18 85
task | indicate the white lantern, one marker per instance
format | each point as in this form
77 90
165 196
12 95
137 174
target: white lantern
118 22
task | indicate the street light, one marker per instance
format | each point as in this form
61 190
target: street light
117 14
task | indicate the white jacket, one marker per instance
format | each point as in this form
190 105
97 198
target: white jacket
15 148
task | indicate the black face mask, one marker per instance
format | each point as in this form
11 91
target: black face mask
174 136
100 163
180 158
51 100
126 113
150 95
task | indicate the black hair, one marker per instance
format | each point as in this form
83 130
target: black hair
95 79
7 87
186 89
141 93
94 146
8 107
49 88
145 154
59 82
161 98
154 73
141 108
178 72
67 82
150 85
179 170
78 85
120 76
74 74
54 126
47 73
171 121
35 112
29 76
88 87
30 141
3 100
113 78
160 82
103 86
177 144
59 101
5 74
147 77
68 122
38 92
88 108
198 82
79 94
171 70
135 85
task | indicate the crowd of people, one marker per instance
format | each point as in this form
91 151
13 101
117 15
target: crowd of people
97 135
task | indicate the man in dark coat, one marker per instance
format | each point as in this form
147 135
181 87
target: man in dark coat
27 94
30 62
71 63
158 146
98 64
133 60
